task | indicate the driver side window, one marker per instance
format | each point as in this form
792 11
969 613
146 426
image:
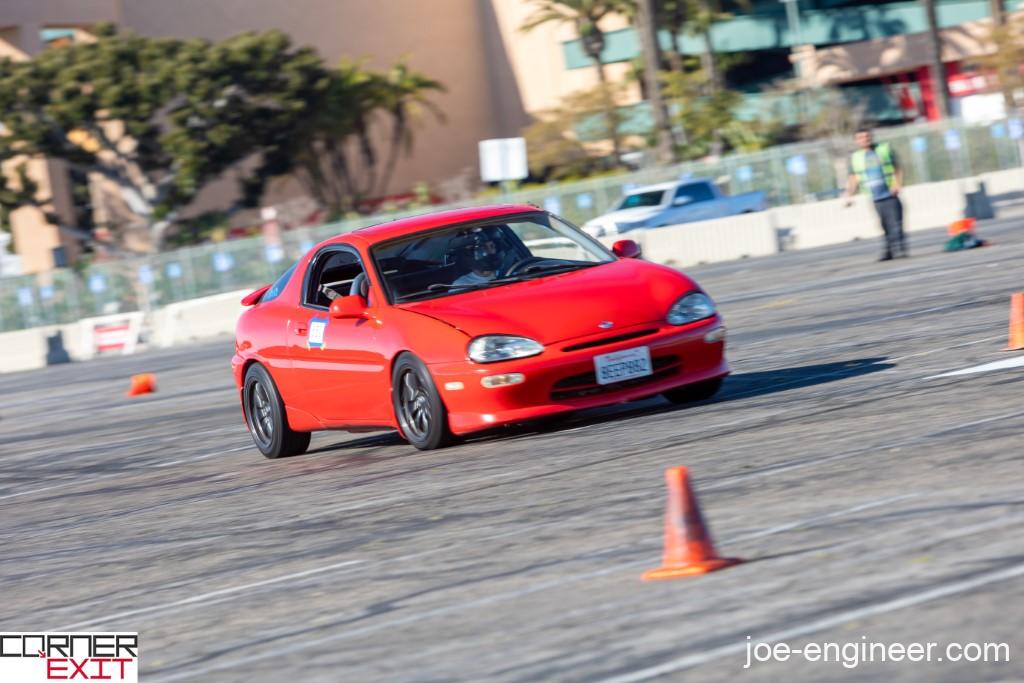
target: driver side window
335 273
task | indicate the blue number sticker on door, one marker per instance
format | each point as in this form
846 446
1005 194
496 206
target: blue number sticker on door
315 336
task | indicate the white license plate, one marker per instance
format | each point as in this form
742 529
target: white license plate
623 365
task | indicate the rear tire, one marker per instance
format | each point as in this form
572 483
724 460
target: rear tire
701 391
265 415
418 406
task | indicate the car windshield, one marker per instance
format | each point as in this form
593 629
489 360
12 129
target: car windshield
631 201
463 258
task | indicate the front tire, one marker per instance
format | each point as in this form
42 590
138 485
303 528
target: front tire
701 391
418 406
265 415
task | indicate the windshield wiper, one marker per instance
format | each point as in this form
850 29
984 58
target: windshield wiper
459 289
552 268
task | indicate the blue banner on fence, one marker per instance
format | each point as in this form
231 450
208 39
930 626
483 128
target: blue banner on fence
173 270
222 261
553 204
273 253
919 144
25 296
952 138
1016 128
797 165
744 174
145 274
97 283
584 200
46 292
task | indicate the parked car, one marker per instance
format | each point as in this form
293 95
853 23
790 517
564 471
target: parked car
450 323
683 201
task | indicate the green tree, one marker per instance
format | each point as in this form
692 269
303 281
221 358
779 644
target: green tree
157 118
585 16
338 151
708 119
160 119
1004 61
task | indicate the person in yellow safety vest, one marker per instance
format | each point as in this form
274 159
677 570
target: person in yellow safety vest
875 170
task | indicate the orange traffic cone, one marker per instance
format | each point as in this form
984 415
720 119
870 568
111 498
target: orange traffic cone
689 549
961 225
142 384
1016 323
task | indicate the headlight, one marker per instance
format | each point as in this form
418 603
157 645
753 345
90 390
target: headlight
495 347
691 308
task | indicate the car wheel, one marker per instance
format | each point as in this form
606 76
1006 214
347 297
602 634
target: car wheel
264 413
418 406
692 393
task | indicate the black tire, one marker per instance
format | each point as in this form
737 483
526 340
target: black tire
264 413
418 405
692 393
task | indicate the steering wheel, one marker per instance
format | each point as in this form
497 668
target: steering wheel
519 264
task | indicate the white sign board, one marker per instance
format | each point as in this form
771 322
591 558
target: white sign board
503 159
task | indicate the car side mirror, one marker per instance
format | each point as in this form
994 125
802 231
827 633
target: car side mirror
353 306
253 298
626 249
681 201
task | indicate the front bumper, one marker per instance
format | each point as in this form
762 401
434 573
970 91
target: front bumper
561 378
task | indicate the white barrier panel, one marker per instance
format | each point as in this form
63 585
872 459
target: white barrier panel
935 205
1003 182
186 321
805 226
724 239
109 334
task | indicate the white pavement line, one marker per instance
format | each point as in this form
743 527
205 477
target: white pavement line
55 486
188 672
203 456
799 524
1015 362
929 352
838 619
205 596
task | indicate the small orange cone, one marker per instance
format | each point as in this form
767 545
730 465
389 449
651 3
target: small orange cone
142 384
961 225
1016 323
689 549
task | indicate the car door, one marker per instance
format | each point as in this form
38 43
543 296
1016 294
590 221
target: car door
337 362
693 202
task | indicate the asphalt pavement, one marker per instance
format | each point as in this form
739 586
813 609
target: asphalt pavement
874 500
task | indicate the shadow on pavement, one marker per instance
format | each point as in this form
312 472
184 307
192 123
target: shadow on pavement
737 386
749 384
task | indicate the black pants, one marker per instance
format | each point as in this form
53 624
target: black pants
890 211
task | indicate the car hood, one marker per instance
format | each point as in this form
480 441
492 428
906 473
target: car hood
559 307
634 215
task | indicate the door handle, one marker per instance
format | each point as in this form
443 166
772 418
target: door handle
301 329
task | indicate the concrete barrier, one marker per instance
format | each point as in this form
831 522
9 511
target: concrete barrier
188 321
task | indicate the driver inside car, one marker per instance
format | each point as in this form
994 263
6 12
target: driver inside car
479 252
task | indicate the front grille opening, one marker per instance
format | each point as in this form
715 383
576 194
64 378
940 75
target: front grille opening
585 384
609 340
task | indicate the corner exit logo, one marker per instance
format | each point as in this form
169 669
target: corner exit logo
33 657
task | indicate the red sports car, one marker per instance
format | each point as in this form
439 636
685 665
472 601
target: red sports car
454 322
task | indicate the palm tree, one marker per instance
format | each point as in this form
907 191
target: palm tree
585 16
937 68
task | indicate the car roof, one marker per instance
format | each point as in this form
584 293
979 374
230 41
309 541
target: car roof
382 232
661 187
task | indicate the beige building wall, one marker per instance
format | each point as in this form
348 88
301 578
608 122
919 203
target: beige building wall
537 57
898 54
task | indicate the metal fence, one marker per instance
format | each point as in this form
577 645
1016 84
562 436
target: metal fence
788 174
